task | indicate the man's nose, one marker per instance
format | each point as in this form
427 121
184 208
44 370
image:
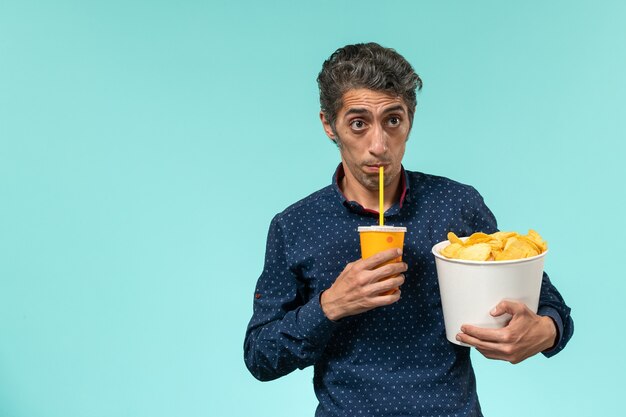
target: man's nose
378 144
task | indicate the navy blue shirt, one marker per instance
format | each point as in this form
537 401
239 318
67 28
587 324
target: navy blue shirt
390 361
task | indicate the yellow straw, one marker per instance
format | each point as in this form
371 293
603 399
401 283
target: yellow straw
381 195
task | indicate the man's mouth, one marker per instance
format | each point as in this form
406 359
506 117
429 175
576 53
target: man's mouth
374 167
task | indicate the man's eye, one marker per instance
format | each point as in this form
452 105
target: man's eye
394 121
357 124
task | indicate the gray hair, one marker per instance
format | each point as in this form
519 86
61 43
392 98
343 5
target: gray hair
366 65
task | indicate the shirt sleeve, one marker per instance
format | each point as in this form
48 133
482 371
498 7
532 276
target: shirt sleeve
286 331
551 302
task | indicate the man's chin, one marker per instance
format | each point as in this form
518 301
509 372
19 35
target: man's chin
370 183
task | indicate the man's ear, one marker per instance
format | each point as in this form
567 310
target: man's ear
327 127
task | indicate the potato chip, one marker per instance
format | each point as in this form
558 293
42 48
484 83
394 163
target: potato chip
517 248
498 246
531 243
452 250
478 237
454 238
502 237
475 252
495 254
535 237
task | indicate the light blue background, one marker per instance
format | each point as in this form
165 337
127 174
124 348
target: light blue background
146 145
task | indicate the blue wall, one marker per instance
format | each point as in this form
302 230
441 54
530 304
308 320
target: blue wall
145 146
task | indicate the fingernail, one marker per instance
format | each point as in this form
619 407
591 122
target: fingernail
458 337
493 310
399 252
463 327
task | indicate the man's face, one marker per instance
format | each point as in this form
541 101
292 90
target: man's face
371 130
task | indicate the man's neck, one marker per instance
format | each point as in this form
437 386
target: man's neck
355 191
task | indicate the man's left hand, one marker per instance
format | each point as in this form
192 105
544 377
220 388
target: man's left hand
524 336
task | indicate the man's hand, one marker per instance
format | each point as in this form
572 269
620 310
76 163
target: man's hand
361 286
526 334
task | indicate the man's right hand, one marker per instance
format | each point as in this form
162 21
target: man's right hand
362 286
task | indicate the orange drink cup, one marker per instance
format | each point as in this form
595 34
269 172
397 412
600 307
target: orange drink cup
375 239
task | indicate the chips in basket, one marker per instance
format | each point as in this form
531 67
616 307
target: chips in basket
499 246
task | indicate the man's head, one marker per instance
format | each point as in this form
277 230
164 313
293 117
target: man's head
367 96
366 66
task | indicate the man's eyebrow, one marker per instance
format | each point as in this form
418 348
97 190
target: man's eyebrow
398 108
359 110
356 110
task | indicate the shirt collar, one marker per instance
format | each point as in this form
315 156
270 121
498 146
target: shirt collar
354 205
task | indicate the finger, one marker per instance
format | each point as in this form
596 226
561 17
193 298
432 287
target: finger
484 334
493 354
468 339
508 306
386 299
386 271
387 284
349 266
381 257
488 349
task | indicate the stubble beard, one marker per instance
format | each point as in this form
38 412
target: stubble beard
369 181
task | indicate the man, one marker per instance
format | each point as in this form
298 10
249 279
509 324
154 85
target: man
316 303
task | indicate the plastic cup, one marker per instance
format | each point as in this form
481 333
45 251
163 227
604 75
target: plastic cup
471 289
375 239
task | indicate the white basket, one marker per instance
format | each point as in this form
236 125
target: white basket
471 289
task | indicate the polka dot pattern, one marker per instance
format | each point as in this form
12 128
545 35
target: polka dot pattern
390 361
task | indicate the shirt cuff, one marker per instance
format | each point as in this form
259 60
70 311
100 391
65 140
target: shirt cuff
556 317
314 324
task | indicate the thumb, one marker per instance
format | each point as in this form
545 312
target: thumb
506 306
